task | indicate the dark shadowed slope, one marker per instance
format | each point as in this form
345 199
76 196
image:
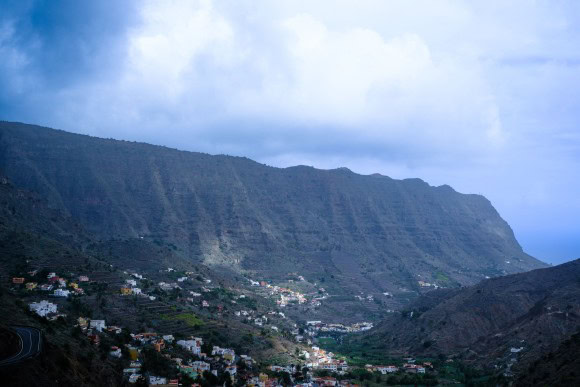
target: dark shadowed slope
30 346
48 238
534 311
371 233
558 368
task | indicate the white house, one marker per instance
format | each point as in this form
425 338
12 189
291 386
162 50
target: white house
115 352
200 365
42 308
329 366
387 369
226 353
156 380
232 370
99 325
191 345
131 282
61 293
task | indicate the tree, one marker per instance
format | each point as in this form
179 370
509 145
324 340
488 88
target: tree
141 382
155 363
210 379
286 379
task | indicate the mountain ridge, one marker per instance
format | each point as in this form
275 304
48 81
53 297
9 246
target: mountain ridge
369 233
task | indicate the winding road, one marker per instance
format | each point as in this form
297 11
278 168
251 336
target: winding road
30 345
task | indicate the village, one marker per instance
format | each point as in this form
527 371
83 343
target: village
190 360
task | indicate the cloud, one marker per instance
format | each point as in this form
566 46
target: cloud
482 96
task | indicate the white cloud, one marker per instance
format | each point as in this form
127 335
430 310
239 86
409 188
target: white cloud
164 49
482 96
350 81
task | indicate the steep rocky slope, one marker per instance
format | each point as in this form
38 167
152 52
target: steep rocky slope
530 312
360 233
33 234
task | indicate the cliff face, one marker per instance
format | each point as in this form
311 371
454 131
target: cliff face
368 232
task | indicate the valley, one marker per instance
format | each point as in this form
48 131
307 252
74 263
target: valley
142 264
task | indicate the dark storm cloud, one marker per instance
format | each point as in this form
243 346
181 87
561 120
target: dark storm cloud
51 45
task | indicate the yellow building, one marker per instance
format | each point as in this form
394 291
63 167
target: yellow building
134 354
83 322
125 291
31 285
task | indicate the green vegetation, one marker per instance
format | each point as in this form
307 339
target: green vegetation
356 353
189 318
326 342
442 278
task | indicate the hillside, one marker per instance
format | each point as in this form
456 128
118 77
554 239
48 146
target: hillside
65 359
33 236
357 233
35 240
530 312
558 368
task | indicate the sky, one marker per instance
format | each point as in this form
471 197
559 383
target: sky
483 96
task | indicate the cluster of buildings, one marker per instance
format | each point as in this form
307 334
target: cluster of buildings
193 345
221 360
287 296
168 286
43 308
323 360
424 284
315 327
59 286
130 288
409 367
368 297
